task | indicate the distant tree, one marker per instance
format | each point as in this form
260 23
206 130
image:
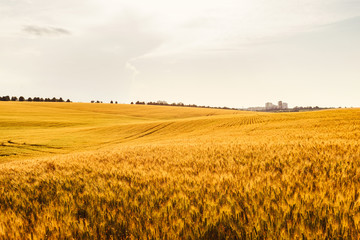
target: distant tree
5 98
97 101
111 102
132 103
54 99
92 101
60 100
29 99
116 102
14 98
68 100
21 99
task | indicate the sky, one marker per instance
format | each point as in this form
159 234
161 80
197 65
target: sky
234 53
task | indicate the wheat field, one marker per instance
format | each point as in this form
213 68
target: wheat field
103 171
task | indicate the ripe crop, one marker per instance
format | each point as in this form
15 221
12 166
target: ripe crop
153 172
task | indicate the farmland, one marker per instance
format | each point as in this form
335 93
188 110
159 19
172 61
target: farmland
102 171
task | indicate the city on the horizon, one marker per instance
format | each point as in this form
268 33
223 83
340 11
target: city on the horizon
269 106
283 107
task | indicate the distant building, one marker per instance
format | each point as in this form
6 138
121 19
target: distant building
281 105
270 106
267 105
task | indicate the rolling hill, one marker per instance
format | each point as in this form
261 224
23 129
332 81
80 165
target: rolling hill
101 171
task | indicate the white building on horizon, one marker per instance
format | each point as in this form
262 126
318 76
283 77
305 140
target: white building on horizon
270 106
281 105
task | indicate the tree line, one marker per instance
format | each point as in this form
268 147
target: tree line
54 99
180 104
93 101
35 99
164 103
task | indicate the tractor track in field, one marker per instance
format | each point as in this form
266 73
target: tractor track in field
149 131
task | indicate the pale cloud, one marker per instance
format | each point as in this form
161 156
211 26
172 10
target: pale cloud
197 26
45 31
186 50
132 69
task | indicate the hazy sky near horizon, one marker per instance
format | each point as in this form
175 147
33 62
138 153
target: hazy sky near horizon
236 53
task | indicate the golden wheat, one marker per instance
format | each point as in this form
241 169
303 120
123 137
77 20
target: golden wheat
225 176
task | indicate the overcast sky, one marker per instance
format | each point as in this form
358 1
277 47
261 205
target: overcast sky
236 53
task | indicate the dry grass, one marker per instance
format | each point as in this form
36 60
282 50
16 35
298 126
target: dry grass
261 176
